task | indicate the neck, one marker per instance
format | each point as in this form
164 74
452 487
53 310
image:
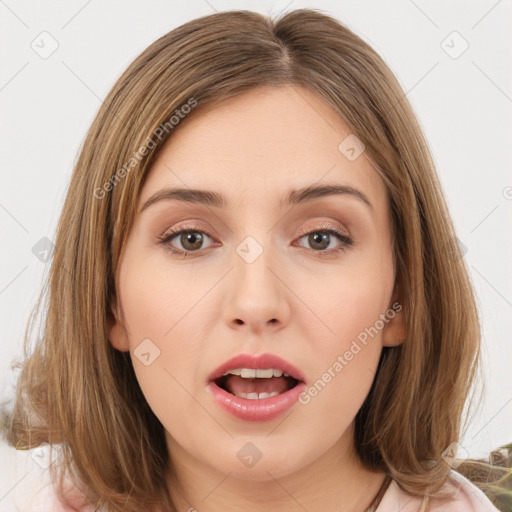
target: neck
335 481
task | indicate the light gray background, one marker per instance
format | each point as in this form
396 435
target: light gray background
464 105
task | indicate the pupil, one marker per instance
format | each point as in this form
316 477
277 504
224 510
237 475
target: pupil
318 238
191 238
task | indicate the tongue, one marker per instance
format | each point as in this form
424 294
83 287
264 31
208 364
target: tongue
236 384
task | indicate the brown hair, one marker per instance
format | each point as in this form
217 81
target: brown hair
84 394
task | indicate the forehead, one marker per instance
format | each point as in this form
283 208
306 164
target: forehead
260 145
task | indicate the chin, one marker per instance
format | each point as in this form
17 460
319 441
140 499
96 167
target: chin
262 459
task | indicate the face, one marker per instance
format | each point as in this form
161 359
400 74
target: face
259 275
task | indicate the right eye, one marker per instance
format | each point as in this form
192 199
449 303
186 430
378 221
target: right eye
189 237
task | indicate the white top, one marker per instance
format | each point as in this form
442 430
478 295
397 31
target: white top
465 497
35 492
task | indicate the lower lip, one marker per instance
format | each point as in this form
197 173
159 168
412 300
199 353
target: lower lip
265 409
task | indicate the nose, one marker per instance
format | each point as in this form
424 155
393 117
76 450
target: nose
257 296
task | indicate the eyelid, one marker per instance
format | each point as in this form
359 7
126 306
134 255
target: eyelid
192 224
323 225
189 225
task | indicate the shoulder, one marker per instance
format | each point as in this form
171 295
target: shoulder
457 494
461 495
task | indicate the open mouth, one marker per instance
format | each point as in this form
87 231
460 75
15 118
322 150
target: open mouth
256 384
256 387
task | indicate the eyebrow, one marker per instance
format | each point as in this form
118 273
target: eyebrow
294 197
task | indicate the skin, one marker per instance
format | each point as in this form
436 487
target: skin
203 309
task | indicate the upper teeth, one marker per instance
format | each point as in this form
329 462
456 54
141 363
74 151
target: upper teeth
250 373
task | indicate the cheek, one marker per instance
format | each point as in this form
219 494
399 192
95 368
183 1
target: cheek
348 341
349 357
159 304
347 301
165 344
160 312
345 364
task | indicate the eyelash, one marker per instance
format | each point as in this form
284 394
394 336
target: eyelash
326 228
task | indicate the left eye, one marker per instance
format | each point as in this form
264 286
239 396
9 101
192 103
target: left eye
322 237
191 239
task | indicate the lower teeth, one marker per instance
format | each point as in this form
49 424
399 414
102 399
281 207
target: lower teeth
256 396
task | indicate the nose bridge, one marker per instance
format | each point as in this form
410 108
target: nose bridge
256 258
257 296
256 225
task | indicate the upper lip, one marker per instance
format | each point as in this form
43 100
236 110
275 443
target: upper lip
260 361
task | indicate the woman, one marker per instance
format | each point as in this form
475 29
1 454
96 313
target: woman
201 351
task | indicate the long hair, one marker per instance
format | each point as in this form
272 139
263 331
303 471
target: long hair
77 391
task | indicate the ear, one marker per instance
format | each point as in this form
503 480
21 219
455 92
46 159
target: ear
395 330
117 333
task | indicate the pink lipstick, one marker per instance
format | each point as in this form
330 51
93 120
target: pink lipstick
256 388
